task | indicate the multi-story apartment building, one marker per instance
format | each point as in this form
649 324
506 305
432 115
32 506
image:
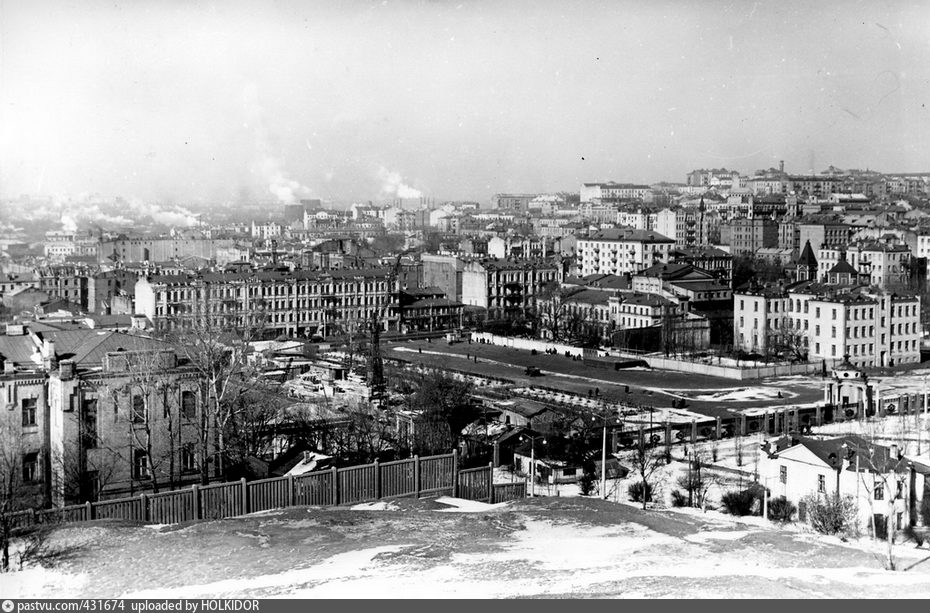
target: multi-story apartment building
598 212
816 186
103 286
115 417
641 219
507 288
65 281
823 231
517 203
746 236
621 250
875 263
296 303
688 226
706 178
789 237
875 328
612 191
161 249
531 247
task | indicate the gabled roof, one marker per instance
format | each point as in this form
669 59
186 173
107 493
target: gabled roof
870 457
676 271
843 267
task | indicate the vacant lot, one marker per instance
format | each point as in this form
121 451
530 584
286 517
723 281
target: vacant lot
574 547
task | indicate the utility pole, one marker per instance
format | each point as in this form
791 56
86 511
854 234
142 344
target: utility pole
604 460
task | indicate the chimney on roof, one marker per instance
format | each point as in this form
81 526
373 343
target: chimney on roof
895 452
50 361
66 370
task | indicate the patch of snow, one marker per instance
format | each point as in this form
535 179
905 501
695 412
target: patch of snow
267 513
460 505
40 582
717 535
381 505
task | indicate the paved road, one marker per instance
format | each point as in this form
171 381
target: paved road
706 395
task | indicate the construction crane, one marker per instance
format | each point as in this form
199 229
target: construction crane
375 362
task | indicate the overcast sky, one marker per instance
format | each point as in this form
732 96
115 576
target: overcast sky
215 101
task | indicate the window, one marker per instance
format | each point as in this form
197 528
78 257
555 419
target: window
89 423
29 412
140 464
138 409
188 404
783 474
31 467
821 484
879 490
188 459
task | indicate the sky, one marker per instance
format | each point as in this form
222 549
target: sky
238 101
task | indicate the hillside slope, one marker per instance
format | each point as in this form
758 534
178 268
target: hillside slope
550 547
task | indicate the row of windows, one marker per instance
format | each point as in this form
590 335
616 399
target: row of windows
855 313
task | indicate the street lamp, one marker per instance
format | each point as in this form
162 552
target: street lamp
605 415
533 461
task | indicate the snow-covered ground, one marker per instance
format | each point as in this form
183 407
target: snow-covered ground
567 546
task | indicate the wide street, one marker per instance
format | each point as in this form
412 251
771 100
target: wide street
706 395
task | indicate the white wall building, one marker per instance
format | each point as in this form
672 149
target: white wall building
874 328
622 250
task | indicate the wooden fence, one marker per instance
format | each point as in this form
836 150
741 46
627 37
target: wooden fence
434 475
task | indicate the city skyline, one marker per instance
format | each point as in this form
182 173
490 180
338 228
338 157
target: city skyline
187 102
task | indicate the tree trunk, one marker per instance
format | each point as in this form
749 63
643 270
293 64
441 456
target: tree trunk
889 533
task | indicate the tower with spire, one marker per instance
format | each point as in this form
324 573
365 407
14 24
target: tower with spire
806 265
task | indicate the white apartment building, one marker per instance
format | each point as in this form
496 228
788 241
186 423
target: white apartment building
639 219
878 263
267 230
617 251
875 328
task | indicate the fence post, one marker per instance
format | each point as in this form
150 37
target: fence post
693 431
416 475
195 501
455 471
245 496
717 426
491 483
88 512
335 474
143 501
290 491
377 480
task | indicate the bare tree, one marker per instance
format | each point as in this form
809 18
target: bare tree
787 340
218 349
876 467
646 460
552 307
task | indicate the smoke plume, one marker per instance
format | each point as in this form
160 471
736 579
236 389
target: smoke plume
392 185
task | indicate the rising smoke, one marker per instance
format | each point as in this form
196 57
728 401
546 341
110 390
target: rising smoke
393 186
